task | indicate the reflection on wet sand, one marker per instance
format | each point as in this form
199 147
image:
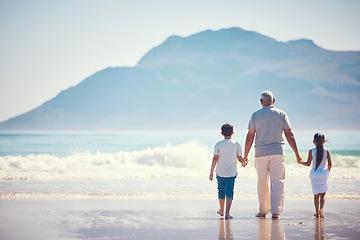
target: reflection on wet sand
225 229
268 229
271 229
319 232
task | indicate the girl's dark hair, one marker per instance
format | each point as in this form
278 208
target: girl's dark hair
319 138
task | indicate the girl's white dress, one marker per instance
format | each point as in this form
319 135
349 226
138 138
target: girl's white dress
319 177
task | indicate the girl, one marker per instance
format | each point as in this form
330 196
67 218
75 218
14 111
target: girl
319 173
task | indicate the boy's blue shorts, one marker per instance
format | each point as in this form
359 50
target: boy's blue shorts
225 187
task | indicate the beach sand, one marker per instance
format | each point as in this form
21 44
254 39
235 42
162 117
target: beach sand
136 218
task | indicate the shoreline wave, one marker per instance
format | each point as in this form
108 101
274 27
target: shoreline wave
80 196
190 160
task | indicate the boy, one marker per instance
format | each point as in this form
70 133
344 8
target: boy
226 154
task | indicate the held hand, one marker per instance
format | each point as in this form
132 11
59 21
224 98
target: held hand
211 176
245 162
298 159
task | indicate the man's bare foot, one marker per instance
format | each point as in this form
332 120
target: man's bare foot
228 217
260 215
321 214
275 216
220 212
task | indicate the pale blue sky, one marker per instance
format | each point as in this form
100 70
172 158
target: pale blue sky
48 46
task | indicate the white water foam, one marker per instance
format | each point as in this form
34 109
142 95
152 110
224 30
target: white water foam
181 161
189 160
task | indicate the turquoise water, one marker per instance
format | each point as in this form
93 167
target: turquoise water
153 164
63 144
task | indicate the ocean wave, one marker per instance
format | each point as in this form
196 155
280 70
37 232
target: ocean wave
157 195
188 160
181 161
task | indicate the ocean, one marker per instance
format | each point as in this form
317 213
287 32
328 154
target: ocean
154 164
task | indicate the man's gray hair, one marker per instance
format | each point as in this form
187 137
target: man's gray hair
267 96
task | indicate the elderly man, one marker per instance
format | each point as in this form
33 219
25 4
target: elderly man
267 126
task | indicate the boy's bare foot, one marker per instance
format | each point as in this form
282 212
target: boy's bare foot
316 215
220 212
228 217
260 215
321 214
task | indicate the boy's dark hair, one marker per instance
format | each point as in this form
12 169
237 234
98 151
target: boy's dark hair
227 129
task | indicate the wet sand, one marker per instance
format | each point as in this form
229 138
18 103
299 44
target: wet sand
171 219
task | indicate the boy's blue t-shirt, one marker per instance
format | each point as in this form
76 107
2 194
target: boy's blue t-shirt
228 150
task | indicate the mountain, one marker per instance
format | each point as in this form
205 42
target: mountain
207 79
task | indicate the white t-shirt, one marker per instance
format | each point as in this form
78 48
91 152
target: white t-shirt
228 150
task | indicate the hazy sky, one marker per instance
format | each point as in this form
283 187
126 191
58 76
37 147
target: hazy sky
48 46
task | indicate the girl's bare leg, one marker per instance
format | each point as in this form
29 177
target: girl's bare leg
322 204
316 204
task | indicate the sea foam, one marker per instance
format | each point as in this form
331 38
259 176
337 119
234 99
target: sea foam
189 160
